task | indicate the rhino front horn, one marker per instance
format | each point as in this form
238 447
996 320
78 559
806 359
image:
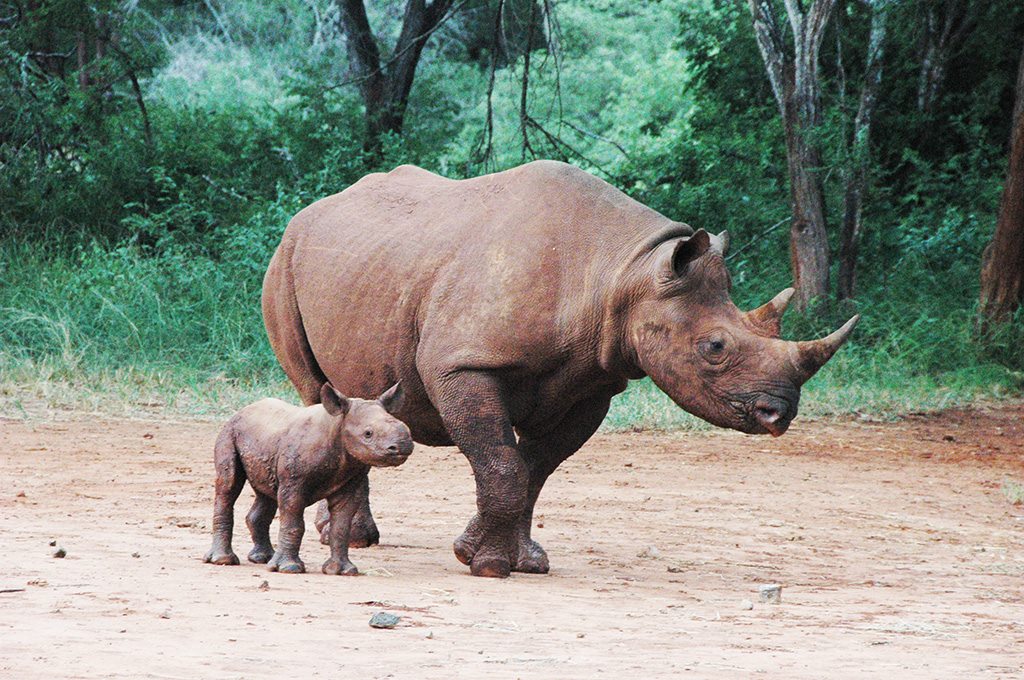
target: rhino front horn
769 315
813 354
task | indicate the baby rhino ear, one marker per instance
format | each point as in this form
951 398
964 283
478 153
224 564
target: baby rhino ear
392 399
334 401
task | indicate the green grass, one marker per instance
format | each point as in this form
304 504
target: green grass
116 331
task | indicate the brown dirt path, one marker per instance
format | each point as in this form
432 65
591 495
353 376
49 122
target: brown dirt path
898 550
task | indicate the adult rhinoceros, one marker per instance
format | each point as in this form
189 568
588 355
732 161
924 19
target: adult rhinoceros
512 308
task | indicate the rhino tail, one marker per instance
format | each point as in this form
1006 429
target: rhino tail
287 335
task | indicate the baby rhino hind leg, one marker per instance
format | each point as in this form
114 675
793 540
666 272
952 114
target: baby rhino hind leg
230 480
261 514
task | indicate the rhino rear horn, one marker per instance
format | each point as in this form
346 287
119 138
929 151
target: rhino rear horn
720 242
769 315
813 354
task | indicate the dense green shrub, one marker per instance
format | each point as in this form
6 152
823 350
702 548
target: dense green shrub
127 250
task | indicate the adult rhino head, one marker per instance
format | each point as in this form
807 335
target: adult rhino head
715 361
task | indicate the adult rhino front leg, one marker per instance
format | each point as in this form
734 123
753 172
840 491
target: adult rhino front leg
543 455
472 406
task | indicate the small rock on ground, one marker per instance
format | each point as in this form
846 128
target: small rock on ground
384 620
746 605
771 593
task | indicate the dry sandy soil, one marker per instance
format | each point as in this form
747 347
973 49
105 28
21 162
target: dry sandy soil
899 554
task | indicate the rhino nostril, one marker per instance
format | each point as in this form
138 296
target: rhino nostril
393 448
772 415
766 414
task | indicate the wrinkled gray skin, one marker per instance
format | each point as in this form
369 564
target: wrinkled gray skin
512 307
295 456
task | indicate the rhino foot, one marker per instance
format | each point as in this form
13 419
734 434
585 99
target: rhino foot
364 531
358 537
532 558
490 564
334 567
526 556
362 534
286 564
490 554
222 558
469 542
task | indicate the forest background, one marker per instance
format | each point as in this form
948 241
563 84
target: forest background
151 154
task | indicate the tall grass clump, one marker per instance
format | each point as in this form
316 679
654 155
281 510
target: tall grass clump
113 328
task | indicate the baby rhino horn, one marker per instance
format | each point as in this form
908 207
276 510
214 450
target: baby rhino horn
813 354
769 315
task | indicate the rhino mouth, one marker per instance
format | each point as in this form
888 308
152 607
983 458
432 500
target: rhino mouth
768 413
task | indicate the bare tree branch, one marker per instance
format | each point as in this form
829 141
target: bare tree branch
385 88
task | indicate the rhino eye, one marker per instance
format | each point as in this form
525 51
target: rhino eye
368 434
713 350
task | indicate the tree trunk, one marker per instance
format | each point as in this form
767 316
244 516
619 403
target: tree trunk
808 237
385 87
941 38
1002 270
797 89
855 175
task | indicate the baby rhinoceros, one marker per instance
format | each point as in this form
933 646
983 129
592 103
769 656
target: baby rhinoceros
295 456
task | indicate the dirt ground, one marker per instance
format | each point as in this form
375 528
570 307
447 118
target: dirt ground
897 549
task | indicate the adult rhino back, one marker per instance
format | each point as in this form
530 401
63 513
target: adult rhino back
512 307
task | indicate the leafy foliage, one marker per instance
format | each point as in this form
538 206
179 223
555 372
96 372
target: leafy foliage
135 236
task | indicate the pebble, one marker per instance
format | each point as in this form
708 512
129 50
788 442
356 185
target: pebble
746 605
770 592
384 620
263 586
60 553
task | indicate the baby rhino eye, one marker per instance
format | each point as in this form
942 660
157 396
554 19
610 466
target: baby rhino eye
368 434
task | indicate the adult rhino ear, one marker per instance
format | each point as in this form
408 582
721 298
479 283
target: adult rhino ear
688 249
393 398
335 402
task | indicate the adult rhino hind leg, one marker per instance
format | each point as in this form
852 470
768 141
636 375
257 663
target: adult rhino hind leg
287 335
363 532
471 405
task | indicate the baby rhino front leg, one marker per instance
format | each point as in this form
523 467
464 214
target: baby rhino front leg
343 505
286 558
